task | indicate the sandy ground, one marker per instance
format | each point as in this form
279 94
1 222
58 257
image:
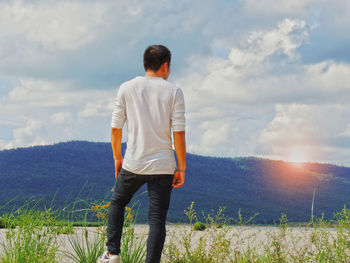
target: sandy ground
242 237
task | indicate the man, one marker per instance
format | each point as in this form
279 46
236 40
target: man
152 107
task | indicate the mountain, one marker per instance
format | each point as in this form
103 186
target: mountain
64 171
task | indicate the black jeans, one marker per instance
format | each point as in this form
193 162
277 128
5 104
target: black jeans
159 190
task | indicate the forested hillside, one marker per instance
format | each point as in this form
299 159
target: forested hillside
65 171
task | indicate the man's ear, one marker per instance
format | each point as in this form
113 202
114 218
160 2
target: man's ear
165 67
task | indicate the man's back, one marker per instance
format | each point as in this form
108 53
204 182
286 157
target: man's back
151 106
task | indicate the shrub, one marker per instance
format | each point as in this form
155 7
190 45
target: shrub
199 226
211 247
87 247
90 244
33 240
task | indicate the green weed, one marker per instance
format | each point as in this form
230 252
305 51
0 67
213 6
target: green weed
31 237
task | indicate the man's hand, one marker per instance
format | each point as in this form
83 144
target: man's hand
116 142
118 165
179 179
180 149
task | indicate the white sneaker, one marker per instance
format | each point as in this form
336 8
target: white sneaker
106 259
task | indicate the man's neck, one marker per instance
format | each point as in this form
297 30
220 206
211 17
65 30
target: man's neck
154 74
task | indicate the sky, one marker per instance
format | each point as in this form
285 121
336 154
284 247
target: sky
260 77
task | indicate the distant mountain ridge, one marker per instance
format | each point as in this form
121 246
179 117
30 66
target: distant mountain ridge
68 169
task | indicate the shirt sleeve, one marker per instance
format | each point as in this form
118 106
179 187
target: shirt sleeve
178 115
119 111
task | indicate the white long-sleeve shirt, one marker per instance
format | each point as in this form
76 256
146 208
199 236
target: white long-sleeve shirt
151 107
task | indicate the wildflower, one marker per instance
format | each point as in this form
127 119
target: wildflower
94 208
129 217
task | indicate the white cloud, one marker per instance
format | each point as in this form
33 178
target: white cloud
42 112
214 134
63 117
251 81
64 39
304 127
63 57
329 77
36 93
284 7
26 135
285 39
346 132
237 78
93 35
97 108
50 25
332 16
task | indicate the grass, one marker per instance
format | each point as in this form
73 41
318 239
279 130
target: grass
87 247
32 235
218 244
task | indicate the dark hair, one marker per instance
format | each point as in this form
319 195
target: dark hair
155 56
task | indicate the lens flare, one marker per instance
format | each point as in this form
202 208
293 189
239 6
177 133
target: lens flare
296 155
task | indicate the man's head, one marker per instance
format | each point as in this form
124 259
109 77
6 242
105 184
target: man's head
156 59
